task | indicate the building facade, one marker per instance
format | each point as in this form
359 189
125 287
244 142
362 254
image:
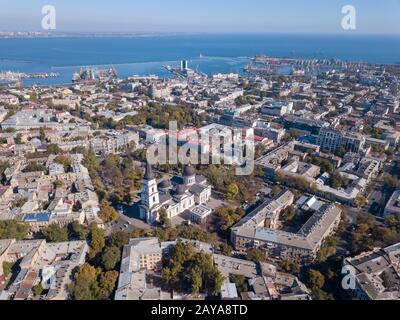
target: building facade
333 139
175 195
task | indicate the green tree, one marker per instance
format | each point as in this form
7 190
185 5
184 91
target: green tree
194 233
320 295
275 190
37 290
11 229
215 279
390 152
337 181
119 239
226 249
107 283
53 149
18 202
167 276
256 255
110 258
85 286
8 268
316 280
228 217
361 201
164 220
197 281
55 233
34 167
77 231
108 212
185 266
97 240
289 213
91 163
240 282
58 184
232 191
289 266
328 249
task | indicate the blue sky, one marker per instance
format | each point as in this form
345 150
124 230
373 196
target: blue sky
210 16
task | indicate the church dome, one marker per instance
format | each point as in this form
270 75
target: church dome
180 190
165 184
188 171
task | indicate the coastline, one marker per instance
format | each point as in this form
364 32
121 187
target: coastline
144 54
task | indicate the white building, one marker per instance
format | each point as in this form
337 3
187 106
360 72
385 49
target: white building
175 196
278 108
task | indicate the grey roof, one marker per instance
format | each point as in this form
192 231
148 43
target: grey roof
197 188
307 238
377 272
164 197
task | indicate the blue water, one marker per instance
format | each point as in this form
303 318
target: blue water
147 55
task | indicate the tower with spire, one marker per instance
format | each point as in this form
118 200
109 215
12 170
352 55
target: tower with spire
150 196
176 195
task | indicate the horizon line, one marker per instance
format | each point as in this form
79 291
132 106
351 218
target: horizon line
154 33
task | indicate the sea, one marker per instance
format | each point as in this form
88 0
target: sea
210 54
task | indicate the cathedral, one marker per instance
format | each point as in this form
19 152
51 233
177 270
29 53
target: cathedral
175 195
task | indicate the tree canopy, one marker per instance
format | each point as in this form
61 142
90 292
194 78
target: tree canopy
11 229
188 271
55 233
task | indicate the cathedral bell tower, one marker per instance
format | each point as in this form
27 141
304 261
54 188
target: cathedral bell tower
150 196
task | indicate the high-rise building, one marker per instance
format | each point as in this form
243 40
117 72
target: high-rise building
184 65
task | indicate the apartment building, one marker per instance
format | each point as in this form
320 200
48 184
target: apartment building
143 257
332 139
48 264
256 231
376 274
